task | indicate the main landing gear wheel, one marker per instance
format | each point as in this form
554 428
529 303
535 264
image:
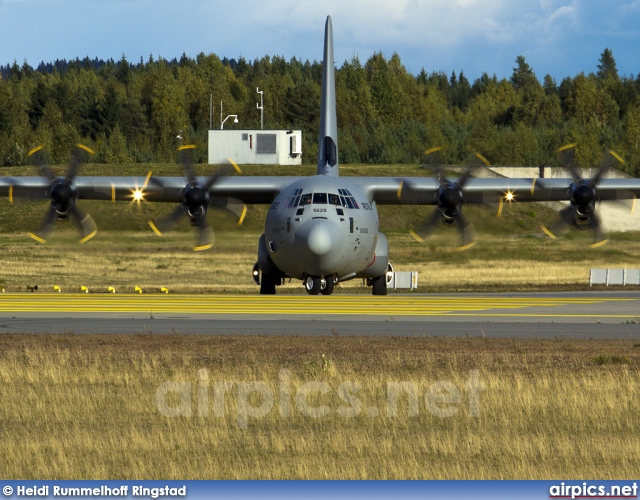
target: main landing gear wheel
327 285
379 285
268 284
313 285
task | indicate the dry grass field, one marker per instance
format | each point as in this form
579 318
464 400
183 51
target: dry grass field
76 406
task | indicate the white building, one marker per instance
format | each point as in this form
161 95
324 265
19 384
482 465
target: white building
269 147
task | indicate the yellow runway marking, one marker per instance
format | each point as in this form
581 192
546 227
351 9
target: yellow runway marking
292 304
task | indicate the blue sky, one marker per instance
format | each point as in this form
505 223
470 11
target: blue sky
558 37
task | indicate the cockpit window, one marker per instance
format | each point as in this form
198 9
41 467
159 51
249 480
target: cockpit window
334 199
320 198
347 199
305 199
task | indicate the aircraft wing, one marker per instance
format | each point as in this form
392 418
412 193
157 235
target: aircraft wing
263 189
393 190
253 190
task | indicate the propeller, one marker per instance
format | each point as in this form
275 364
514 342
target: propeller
63 193
583 194
449 198
197 197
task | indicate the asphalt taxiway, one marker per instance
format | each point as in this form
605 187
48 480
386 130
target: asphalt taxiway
522 315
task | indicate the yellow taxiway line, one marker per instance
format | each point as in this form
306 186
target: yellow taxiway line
401 305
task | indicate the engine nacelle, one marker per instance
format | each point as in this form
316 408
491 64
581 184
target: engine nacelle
582 220
380 263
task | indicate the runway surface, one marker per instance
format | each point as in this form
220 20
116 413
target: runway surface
544 315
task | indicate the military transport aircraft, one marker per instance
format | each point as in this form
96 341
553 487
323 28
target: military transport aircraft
321 229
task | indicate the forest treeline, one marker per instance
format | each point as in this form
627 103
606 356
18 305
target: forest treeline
134 112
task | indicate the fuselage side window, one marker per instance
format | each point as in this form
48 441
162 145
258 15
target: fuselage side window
320 198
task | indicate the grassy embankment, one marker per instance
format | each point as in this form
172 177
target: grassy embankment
511 253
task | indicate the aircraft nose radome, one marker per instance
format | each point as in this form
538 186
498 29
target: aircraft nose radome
318 245
319 239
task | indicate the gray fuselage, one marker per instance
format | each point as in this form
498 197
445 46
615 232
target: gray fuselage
325 226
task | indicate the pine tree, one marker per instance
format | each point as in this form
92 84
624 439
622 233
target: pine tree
523 74
607 66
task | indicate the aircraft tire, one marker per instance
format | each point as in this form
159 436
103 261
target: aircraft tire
329 285
313 285
268 284
379 285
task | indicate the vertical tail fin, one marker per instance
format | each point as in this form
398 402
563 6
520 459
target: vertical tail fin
328 137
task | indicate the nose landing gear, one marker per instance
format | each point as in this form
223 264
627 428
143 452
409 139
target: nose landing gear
319 284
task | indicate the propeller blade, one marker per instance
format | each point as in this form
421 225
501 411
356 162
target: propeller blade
624 199
449 198
608 161
477 160
206 237
600 236
434 163
47 227
196 200
567 153
38 155
600 173
169 222
465 176
74 164
223 171
76 160
156 182
468 236
45 171
85 223
408 193
235 206
561 226
63 195
185 161
583 197
211 181
428 228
